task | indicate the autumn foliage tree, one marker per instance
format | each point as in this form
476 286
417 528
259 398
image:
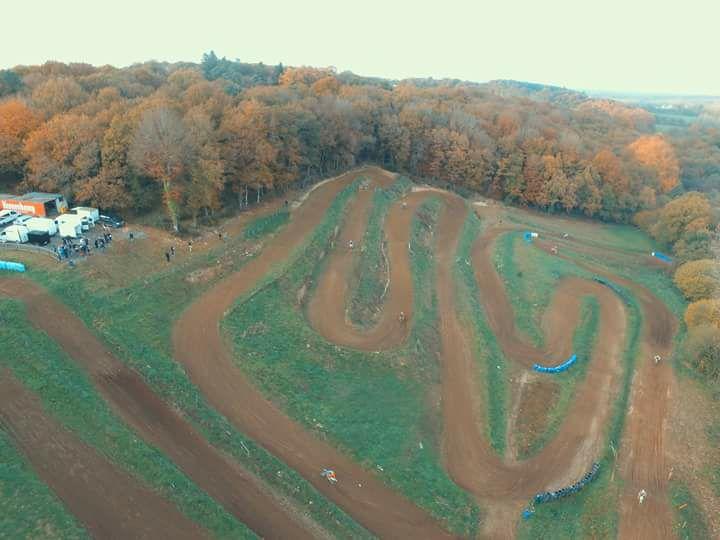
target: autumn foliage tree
161 150
226 132
17 120
656 153
699 279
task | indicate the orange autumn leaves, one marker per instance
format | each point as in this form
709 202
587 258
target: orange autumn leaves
656 153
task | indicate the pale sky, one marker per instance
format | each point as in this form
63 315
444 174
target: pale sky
618 45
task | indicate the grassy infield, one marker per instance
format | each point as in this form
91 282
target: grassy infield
373 406
633 242
370 405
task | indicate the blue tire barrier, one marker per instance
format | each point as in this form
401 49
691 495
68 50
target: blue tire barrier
549 496
527 513
12 266
617 290
556 369
664 258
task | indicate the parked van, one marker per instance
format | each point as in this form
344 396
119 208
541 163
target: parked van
93 214
14 233
69 229
74 218
40 224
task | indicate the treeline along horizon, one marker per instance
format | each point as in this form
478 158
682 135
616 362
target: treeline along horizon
199 137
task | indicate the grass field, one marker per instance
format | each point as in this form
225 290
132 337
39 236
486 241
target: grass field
136 321
689 519
27 506
371 269
68 395
373 406
567 382
593 512
492 372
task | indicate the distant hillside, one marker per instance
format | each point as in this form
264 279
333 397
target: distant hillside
544 92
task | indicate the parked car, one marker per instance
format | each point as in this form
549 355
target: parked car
111 220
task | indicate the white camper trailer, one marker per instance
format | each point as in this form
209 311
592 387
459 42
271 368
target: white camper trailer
75 219
92 214
42 225
69 227
14 233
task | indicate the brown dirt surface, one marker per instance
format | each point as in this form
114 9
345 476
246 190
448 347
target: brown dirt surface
108 501
208 360
158 423
691 448
534 399
503 486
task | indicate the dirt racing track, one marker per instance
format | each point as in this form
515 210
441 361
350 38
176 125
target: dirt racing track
502 486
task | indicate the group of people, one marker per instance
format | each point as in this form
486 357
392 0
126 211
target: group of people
68 248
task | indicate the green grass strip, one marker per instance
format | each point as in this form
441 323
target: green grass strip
367 294
368 405
29 509
264 225
491 362
68 394
568 381
690 521
593 512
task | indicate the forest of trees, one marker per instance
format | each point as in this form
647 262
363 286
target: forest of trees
197 138
200 137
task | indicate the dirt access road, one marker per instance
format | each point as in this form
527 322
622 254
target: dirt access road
155 421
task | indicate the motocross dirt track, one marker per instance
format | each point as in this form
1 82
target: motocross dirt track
502 486
108 501
154 420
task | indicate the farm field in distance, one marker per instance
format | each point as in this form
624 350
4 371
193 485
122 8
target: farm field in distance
364 359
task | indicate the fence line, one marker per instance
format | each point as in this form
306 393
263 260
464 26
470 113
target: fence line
11 246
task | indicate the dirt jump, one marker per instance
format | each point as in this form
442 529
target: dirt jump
501 485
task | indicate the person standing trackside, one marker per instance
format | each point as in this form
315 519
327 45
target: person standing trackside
190 246
167 256
172 250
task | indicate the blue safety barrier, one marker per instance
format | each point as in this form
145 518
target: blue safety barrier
548 496
12 266
527 513
556 369
617 290
664 258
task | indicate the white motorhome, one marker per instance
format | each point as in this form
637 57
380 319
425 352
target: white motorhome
69 228
39 224
14 233
93 214
74 218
